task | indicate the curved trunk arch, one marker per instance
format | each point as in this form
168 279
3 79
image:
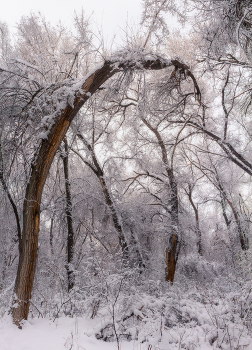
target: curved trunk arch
40 169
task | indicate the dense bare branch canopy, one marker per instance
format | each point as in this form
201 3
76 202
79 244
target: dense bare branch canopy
123 173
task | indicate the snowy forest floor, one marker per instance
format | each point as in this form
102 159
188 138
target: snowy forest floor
77 333
164 317
64 333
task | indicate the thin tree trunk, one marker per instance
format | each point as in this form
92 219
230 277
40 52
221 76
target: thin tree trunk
173 248
115 219
39 171
196 212
51 236
108 199
230 151
140 260
3 271
12 202
68 209
242 235
224 213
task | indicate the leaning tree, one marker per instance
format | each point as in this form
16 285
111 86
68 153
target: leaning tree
66 100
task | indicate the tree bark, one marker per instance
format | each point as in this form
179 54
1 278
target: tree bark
172 251
171 258
242 235
39 171
69 217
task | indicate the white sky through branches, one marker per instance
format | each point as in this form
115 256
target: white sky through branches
112 15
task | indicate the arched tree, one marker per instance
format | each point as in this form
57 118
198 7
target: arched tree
44 155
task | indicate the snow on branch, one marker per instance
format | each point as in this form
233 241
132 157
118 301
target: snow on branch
69 98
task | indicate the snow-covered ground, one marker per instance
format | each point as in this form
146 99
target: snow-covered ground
64 333
44 334
193 319
116 313
76 334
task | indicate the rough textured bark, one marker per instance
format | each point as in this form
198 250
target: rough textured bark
69 217
39 171
171 258
172 251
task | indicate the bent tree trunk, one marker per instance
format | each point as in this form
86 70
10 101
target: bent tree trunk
39 171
